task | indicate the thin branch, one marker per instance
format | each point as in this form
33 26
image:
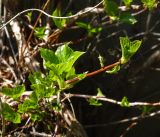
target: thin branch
94 72
132 119
50 16
40 134
109 100
35 24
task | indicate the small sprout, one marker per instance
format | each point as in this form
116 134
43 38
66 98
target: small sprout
125 102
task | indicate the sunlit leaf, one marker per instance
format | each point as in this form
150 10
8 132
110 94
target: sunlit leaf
99 94
114 70
58 22
125 102
127 2
94 102
150 4
27 106
128 48
66 55
49 56
36 78
15 92
40 32
9 114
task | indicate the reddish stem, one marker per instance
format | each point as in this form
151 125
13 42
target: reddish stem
94 72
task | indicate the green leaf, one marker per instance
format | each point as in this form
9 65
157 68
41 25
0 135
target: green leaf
63 54
82 76
99 94
126 17
43 91
66 54
37 116
15 92
60 23
111 8
27 106
128 48
150 4
36 78
29 16
90 29
146 109
114 70
125 102
40 32
71 74
127 2
82 25
49 56
9 114
94 102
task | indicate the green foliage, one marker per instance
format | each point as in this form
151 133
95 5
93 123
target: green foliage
60 63
94 102
27 106
90 29
40 32
111 7
126 17
29 16
59 67
146 109
125 102
127 2
9 114
99 94
150 4
60 23
114 70
15 92
128 48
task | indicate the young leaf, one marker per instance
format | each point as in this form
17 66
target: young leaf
94 102
114 70
9 114
43 91
99 94
90 29
37 116
82 25
146 109
27 106
58 22
127 2
15 92
150 4
128 48
40 32
49 56
126 17
66 55
125 102
111 8
36 78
